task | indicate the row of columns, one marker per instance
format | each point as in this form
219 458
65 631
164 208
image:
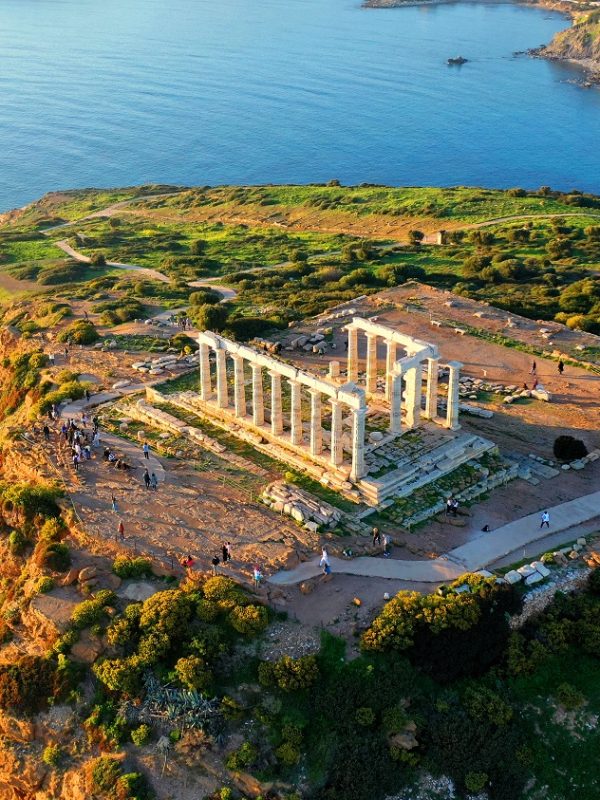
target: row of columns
258 409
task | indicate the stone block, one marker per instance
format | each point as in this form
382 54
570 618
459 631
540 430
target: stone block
541 568
535 577
513 577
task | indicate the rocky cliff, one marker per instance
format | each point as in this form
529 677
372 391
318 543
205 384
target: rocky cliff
580 43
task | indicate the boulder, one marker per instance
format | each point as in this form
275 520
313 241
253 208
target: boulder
513 576
86 574
306 587
535 577
526 570
541 568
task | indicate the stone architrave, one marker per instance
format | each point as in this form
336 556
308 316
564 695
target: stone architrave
357 470
352 366
276 408
371 385
258 404
431 397
396 402
205 385
453 396
336 449
316 425
239 387
222 398
296 412
414 381
389 366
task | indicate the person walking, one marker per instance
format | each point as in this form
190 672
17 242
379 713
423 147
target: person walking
324 562
146 449
449 506
454 507
46 433
76 462
256 576
154 482
228 546
561 367
533 370
215 563
147 478
87 395
224 553
545 519
376 537
113 501
121 530
387 546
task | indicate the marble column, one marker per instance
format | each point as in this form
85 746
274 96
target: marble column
222 399
258 404
239 387
352 366
396 403
414 380
296 412
357 470
316 425
431 396
336 449
371 385
276 412
205 386
389 367
453 396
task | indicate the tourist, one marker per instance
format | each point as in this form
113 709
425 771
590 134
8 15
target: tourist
146 449
545 519
121 529
154 482
561 367
225 553
187 562
87 395
256 576
535 384
87 452
533 368
113 501
111 457
46 433
96 439
449 506
454 507
215 563
106 454
228 546
76 462
376 536
51 359
324 562
147 478
387 546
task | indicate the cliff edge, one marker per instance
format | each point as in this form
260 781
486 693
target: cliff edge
580 44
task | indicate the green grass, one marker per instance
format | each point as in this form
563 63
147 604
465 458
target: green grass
564 761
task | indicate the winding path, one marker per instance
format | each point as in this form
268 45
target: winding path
470 557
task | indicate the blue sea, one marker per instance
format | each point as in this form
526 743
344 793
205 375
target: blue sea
113 93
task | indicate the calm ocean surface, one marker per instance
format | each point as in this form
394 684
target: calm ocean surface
114 92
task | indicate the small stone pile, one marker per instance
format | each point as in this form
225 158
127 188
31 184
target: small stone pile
300 506
170 362
469 388
537 571
314 343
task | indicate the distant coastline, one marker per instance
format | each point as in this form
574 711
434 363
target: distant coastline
568 46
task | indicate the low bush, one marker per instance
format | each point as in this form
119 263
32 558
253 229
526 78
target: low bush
92 611
28 683
132 567
569 696
44 584
79 332
568 448
32 500
51 755
242 758
141 735
249 620
17 542
289 674
53 555
193 673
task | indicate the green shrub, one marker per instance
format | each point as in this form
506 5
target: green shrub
288 754
32 500
79 332
568 448
207 610
141 736
124 630
193 673
51 531
476 781
483 704
52 755
167 612
54 556
16 543
224 591
92 611
105 772
569 696
242 758
365 716
132 567
120 674
44 584
249 620
289 674
28 683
